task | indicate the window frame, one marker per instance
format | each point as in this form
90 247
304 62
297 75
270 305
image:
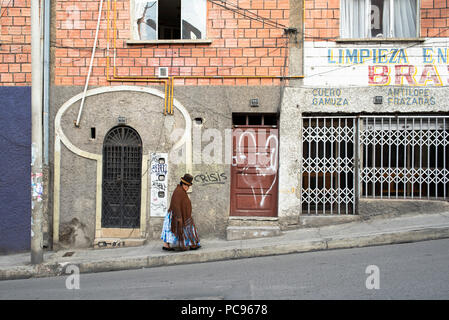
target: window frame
131 39
391 31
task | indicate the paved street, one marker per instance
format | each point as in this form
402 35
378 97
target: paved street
406 271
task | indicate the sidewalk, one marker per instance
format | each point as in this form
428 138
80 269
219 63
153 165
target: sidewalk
378 231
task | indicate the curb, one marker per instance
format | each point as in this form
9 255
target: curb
149 261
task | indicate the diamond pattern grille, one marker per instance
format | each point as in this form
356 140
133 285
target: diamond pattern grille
328 165
404 157
400 157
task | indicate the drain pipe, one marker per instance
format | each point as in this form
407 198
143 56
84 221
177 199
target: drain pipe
36 137
46 57
77 123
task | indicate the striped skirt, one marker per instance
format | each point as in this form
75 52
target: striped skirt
168 236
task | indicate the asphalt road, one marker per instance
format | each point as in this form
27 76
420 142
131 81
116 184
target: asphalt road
406 271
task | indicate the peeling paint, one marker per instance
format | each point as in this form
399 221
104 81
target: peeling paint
37 187
33 152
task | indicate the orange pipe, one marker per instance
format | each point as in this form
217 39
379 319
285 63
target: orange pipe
171 95
165 99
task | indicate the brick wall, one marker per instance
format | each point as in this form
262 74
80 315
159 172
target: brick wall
434 18
322 19
15 39
240 46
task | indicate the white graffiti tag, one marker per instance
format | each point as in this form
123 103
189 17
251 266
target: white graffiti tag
263 163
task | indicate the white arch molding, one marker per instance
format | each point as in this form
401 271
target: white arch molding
186 140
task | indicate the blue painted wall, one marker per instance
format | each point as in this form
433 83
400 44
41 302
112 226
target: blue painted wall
15 169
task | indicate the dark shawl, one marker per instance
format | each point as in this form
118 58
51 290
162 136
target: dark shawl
182 223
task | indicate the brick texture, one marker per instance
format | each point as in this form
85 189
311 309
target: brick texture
434 18
240 46
322 19
15 39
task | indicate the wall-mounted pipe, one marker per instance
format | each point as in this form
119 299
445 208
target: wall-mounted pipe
46 57
37 214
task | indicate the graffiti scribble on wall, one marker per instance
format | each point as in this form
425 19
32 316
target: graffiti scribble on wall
211 178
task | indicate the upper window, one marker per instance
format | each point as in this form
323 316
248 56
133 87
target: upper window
361 19
169 19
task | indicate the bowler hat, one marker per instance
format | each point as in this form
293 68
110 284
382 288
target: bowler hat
187 179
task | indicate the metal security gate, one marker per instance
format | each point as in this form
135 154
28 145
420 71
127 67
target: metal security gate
329 165
404 156
122 166
391 157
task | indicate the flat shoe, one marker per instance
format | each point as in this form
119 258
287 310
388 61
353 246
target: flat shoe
168 249
195 248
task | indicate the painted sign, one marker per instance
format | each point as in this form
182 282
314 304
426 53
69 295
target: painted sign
423 65
159 184
328 97
410 97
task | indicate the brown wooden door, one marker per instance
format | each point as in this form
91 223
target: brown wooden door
254 171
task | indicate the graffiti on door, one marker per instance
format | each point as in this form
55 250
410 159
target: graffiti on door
255 167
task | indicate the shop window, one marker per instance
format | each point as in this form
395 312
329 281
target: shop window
386 157
404 157
379 19
168 19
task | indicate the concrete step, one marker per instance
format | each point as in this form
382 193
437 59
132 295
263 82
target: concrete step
241 228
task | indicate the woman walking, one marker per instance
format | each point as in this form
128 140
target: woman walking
179 230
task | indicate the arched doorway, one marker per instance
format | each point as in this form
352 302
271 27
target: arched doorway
122 175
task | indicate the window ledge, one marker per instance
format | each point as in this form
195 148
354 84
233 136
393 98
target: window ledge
348 40
174 41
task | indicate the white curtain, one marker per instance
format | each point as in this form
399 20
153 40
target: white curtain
404 18
386 32
143 11
139 9
354 19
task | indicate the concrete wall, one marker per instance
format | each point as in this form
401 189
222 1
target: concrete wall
235 46
361 99
144 112
340 100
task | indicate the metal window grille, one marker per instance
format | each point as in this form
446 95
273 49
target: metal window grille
328 165
122 169
404 157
